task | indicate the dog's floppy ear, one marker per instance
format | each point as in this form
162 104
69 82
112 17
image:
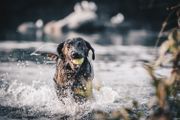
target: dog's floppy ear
92 49
59 49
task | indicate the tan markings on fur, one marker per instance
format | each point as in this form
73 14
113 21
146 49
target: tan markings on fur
65 50
59 76
86 90
52 56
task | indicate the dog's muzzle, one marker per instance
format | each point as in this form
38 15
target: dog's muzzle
76 55
77 58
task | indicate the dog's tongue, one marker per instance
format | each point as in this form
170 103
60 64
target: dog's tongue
78 61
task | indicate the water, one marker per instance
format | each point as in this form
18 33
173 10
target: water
27 88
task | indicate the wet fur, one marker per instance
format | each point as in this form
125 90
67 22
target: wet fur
68 77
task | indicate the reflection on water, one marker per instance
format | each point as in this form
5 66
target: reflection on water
108 37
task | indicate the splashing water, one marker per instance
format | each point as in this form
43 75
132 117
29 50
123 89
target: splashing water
27 88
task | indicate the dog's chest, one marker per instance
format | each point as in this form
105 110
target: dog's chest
65 76
79 75
77 82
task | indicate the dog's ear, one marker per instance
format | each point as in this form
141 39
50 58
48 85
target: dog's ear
92 49
59 49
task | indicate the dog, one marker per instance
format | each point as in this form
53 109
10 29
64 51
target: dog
74 73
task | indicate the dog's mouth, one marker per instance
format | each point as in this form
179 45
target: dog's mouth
77 61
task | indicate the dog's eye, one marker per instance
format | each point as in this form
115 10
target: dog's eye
79 44
68 46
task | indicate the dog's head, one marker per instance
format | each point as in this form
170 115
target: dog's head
75 50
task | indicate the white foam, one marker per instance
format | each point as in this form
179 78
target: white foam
30 84
105 95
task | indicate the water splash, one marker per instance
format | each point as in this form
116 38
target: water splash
27 88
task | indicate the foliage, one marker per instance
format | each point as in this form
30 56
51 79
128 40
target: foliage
167 88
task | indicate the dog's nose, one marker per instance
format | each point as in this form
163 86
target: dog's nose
76 55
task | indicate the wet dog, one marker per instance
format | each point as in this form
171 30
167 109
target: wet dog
74 73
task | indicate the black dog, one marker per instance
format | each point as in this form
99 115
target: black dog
74 73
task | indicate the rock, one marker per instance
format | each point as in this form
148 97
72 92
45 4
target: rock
31 30
117 19
84 14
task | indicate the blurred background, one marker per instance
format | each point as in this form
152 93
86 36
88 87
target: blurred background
133 20
122 32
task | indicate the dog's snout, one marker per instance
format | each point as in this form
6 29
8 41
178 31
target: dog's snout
76 55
